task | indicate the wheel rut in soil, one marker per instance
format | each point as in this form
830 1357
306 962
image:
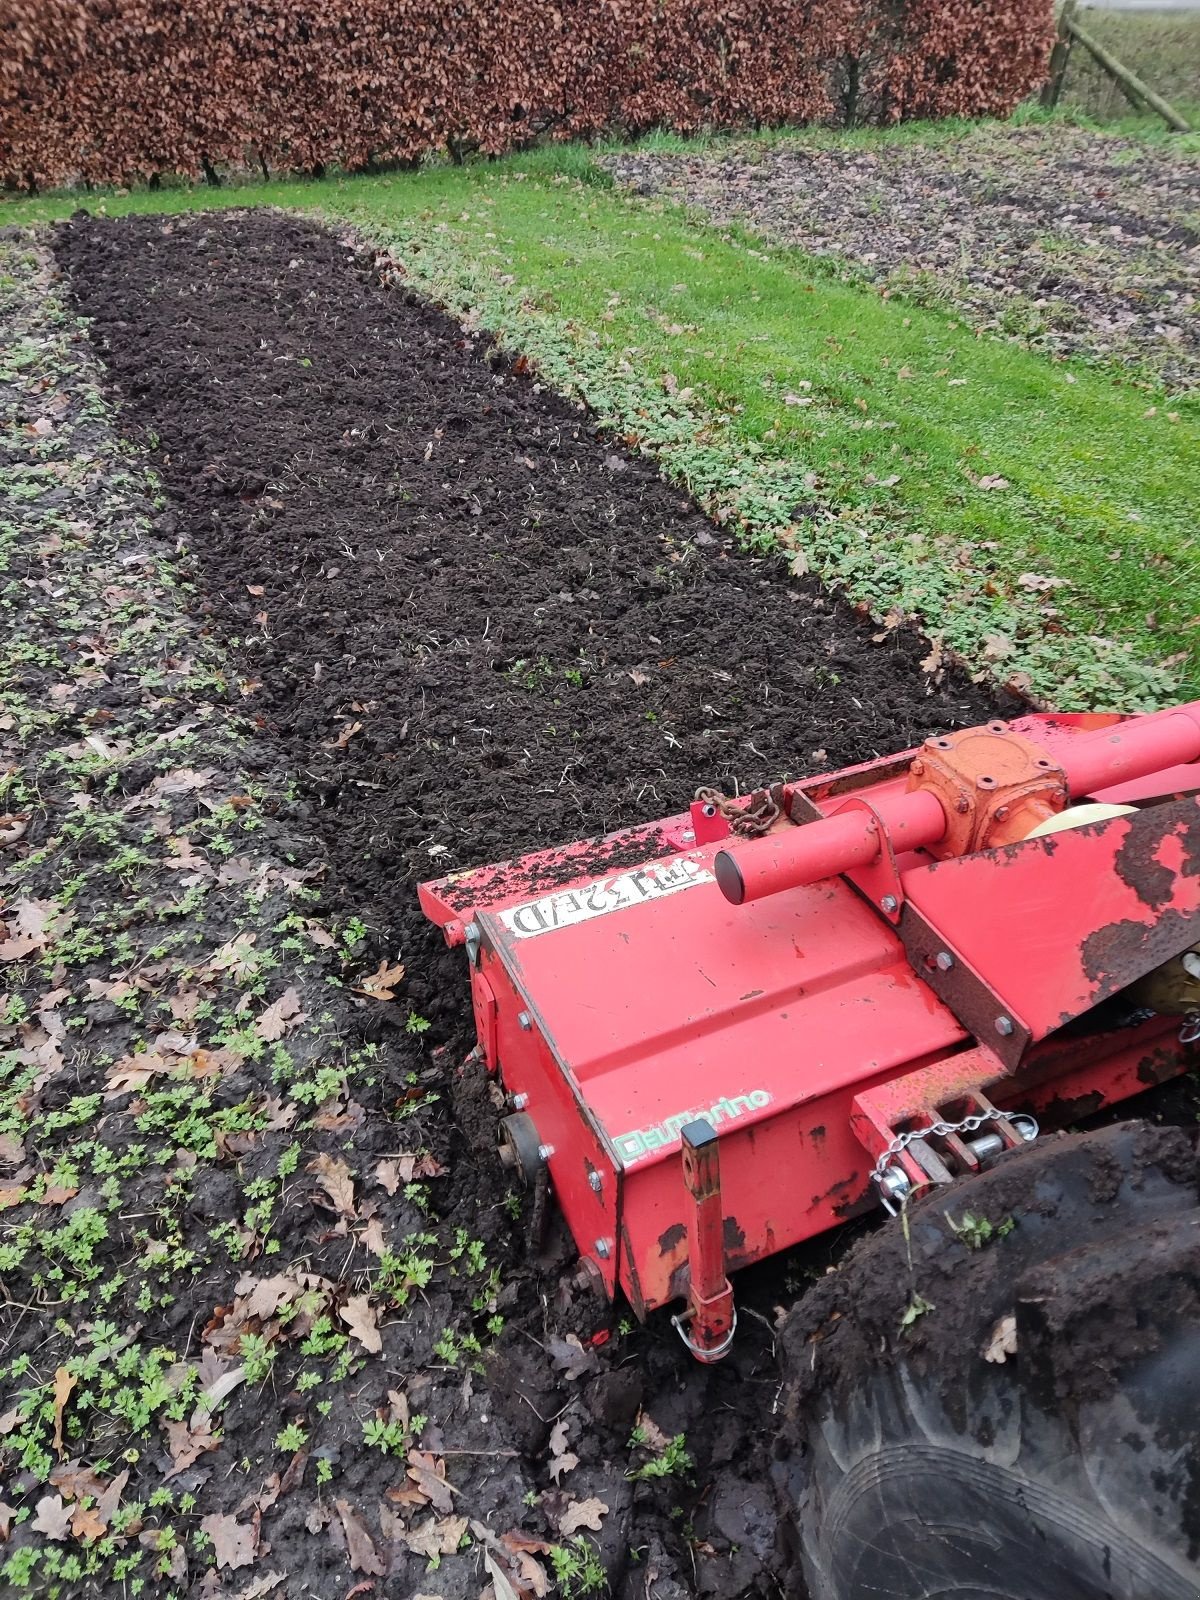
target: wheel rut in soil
470 625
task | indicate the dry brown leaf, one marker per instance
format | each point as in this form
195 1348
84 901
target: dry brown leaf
53 1517
387 1174
582 1514
31 926
235 1543
280 1017
502 1584
106 1505
1003 1341
11 1195
260 1586
344 738
655 1439
335 1178
522 1549
569 1356
1040 583
188 1444
429 1475
12 1151
436 1536
381 985
363 1321
360 1547
236 957
134 1072
87 1524
562 1460
64 1382
373 1237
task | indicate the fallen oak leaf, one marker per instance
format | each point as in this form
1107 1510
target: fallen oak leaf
363 1322
86 1524
64 1382
279 1017
134 1072
501 1582
1003 1340
531 1573
437 1536
429 1475
235 1543
53 1517
582 1514
335 1178
260 1586
360 1547
381 984
187 1444
561 1459
344 738
569 1356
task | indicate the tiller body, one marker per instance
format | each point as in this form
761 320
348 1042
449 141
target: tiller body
718 1045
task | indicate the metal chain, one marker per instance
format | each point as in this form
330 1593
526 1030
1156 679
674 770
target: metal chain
940 1130
751 821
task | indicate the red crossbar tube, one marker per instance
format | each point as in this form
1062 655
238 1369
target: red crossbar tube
793 857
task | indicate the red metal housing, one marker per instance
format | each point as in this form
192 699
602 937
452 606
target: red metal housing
870 981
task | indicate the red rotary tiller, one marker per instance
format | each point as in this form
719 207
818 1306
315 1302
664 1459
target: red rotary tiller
719 1044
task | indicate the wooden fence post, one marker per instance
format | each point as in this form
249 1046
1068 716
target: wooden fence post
1059 56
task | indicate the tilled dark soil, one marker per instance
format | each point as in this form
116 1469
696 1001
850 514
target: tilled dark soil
474 626
468 625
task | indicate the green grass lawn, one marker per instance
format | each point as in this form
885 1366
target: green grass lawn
1037 517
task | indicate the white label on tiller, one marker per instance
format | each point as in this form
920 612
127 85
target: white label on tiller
589 900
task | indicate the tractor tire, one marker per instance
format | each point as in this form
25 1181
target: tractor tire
1062 1465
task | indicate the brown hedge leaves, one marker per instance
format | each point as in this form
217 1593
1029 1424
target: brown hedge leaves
125 90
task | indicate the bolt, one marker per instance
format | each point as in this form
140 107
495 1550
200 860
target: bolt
545 1151
962 805
520 1101
687 836
918 767
944 960
888 903
595 1182
524 1021
1004 1026
1001 813
895 1183
603 1249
